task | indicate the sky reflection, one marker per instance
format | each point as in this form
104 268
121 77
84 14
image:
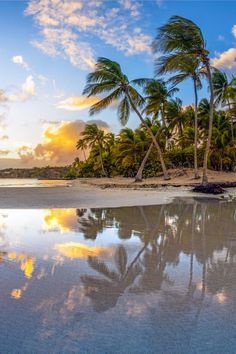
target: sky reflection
154 278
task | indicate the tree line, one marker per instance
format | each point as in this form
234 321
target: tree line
169 135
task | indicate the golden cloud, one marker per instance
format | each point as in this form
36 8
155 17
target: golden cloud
82 251
58 146
77 103
64 220
26 263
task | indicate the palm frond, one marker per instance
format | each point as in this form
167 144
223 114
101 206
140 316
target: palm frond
124 111
102 268
105 102
99 88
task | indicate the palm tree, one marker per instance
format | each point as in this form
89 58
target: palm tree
179 39
108 78
187 68
175 117
224 91
131 145
157 130
81 145
220 136
93 136
157 95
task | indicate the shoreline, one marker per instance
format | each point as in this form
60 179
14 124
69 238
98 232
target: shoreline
110 192
87 196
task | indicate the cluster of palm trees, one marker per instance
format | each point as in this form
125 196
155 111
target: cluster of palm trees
164 121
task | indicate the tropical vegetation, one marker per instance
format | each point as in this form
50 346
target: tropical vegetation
169 135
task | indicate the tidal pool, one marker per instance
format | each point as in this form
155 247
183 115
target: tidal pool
152 279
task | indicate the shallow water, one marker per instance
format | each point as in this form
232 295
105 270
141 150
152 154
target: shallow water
31 182
153 279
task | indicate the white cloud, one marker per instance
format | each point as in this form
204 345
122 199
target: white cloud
27 90
66 28
234 31
133 7
225 60
18 59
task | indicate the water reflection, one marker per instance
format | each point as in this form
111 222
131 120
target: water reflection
164 272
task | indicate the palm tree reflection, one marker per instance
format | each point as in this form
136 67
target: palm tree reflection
105 292
197 229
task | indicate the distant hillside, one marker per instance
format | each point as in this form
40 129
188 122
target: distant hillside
47 172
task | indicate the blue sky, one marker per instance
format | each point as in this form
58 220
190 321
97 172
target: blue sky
48 47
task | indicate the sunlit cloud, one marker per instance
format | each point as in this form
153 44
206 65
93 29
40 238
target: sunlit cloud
67 27
133 7
77 103
225 60
16 293
58 146
81 251
220 297
63 220
26 263
18 59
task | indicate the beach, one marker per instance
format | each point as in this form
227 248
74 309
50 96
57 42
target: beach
107 192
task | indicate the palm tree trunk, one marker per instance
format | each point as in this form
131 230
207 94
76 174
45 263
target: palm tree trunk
163 116
231 122
208 144
101 160
139 175
196 175
164 169
84 155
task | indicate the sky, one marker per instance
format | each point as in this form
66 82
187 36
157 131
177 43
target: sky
47 48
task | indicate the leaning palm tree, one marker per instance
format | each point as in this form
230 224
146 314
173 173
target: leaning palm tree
108 78
82 145
95 137
224 92
157 95
157 129
179 39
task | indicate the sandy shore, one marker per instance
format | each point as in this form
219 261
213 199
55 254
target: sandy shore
179 178
107 192
83 196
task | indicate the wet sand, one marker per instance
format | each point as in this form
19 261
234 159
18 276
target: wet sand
79 195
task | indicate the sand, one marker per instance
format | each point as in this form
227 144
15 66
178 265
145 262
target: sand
179 178
108 192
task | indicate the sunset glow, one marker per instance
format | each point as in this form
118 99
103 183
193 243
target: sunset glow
42 108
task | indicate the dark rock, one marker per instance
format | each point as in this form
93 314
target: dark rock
210 188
